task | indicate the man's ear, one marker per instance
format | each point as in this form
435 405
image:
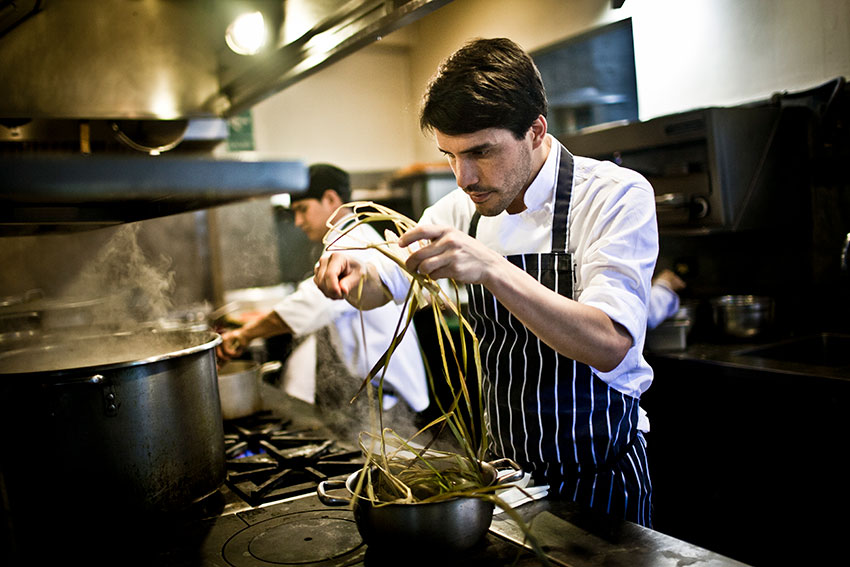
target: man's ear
332 198
538 130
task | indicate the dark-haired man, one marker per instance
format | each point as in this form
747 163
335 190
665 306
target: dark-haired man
558 252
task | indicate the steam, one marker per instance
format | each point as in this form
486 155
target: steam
130 287
336 385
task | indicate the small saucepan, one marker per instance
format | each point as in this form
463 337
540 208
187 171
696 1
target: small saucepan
239 386
455 524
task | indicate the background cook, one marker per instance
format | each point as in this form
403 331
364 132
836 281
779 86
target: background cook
340 359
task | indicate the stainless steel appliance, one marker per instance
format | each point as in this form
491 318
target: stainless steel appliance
164 60
713 169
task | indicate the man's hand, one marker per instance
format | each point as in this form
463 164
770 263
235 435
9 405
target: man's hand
449 253
337 275
232 344
669 279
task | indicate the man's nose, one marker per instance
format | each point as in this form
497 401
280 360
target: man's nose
466 173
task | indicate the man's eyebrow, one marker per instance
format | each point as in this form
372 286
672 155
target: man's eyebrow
471 150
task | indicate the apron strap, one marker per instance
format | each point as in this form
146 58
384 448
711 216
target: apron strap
473 224
563 196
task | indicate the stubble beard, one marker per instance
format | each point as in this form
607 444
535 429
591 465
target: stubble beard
513 187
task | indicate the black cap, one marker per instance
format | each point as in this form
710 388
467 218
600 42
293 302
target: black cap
324 176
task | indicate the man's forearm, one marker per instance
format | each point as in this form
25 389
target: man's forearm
581 332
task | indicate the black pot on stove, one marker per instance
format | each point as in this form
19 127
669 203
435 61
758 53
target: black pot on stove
100 433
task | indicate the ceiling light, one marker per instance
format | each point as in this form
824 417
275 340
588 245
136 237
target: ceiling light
247 34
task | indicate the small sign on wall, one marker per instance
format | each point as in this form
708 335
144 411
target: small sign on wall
240 132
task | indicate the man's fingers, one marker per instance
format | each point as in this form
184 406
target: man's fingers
421 232
330 274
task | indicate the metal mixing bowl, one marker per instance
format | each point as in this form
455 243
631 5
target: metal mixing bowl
743 316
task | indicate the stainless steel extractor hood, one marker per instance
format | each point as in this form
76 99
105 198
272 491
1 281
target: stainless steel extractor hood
67 175
165 59
66 193
93 92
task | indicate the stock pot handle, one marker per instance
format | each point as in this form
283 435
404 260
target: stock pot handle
327 499
110 398
508 463
269 367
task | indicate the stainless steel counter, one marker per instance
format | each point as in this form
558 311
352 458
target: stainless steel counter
821 355
569 534
575 538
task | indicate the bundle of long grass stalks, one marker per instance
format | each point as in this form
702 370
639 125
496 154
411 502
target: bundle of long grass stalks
407 462
400 470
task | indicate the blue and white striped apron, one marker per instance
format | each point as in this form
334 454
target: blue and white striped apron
549 413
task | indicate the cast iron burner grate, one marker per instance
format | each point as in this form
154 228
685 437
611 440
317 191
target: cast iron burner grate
268 462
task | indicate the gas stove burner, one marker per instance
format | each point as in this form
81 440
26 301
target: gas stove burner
316 538
267 462
242 437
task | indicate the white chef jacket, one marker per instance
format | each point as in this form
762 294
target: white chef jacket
307 310
613 238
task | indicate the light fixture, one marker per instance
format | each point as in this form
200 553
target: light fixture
247 34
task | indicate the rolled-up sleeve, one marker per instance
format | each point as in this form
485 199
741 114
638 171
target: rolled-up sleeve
618 247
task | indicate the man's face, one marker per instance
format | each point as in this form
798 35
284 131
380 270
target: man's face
311 216
491 166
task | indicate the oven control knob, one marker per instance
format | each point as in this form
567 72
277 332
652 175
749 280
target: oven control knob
699 207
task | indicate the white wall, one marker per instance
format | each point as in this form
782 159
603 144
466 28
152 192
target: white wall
361 112
696 53
532 24
354 114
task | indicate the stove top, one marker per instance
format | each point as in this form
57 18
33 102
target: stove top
266 514
268 461
299 531
304 532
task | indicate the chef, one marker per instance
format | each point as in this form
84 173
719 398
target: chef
558 252
332 329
